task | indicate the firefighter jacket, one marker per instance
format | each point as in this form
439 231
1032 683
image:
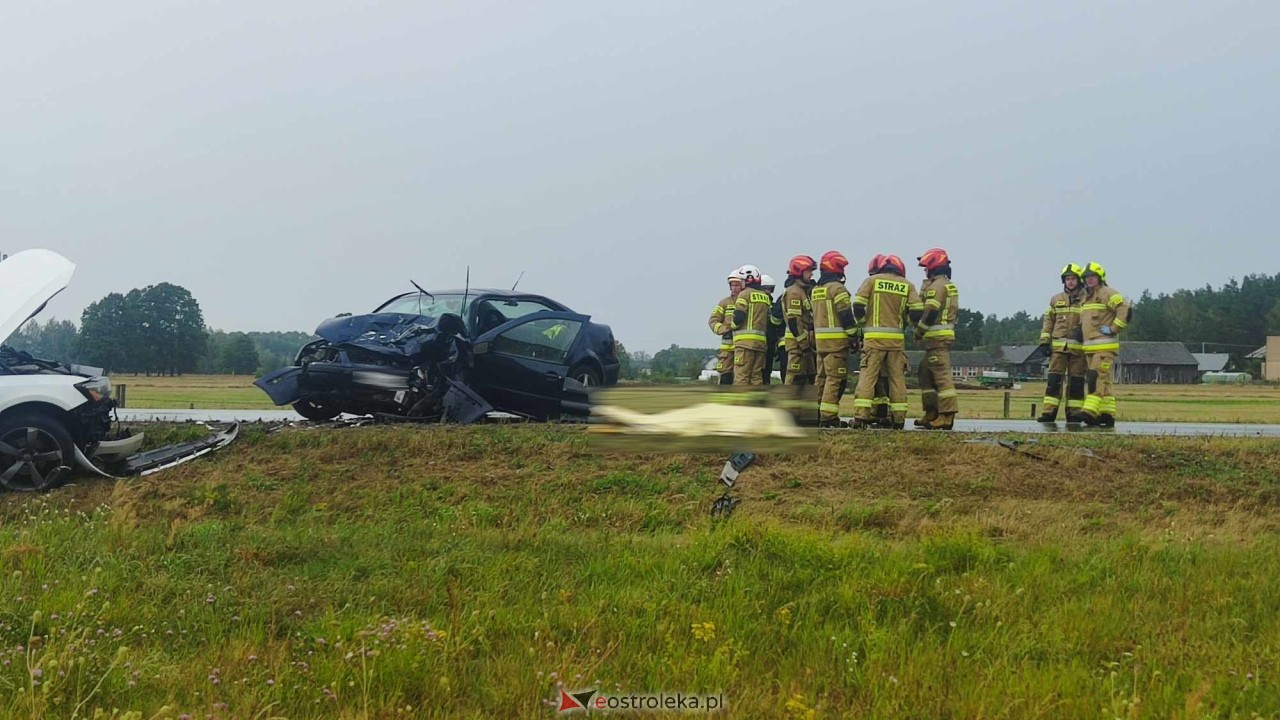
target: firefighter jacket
797 313
1062 322
833 320
721 323
776 335
941 306
882 304
751 318
1103 307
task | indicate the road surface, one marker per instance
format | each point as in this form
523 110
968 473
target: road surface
965 426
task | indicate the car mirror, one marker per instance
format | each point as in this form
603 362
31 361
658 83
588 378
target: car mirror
480 348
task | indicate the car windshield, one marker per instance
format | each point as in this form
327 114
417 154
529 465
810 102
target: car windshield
419 304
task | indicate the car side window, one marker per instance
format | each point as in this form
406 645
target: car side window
546 340
492 313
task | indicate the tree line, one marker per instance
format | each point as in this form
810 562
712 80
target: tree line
156 330
160 329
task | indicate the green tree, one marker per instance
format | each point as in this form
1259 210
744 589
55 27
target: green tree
968 329
104 329
171 337
625 369
211 363
678 361
239 355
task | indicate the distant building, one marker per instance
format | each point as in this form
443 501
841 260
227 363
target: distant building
1144 363
1212 362
1023 360
1269 354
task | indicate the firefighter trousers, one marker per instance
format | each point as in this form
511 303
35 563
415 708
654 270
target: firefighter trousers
1100 401
937 388
800 367
893 363
833 372
724 366
1073 366
748 366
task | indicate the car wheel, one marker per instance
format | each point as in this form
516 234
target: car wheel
586 375
33 446
312 410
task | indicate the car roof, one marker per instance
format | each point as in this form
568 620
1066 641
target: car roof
477 292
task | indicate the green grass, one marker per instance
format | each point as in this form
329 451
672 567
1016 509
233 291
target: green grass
1257 403
464 572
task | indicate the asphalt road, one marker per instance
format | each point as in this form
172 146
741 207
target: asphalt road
967 426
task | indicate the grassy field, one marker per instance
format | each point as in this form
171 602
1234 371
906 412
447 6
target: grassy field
193 391
467 572
1184 403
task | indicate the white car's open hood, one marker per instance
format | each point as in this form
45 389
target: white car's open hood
28 280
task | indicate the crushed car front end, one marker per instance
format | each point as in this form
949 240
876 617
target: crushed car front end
377 364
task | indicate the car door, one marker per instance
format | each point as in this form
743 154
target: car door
521 366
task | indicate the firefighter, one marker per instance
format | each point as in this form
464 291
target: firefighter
938 331
1062 337
834 328
774 333
880 401
797 311
884 302
1103 315
778 334
750 325
720 323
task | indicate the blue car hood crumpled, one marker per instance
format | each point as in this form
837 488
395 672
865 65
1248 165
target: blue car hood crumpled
397 334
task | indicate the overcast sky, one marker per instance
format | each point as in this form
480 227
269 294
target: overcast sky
289 160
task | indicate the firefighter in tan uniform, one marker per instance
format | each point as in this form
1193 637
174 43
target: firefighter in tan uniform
938 331
721 324
750 328
885 301
774 335
797 313
880 401
1103 315
834 329
1062 336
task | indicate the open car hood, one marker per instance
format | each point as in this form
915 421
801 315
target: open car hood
28 280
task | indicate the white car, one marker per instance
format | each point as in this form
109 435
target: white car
51 415
55 416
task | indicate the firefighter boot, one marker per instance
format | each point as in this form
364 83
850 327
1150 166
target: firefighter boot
1108 416
1052 396
944 421
1075 399
929 400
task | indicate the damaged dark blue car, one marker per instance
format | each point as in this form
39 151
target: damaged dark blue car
451 356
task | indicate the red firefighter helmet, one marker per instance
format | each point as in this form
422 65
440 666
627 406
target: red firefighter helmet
876 263
934 258
834 262
894 264
799 264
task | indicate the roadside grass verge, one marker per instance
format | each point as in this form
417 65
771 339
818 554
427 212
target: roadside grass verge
466 572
